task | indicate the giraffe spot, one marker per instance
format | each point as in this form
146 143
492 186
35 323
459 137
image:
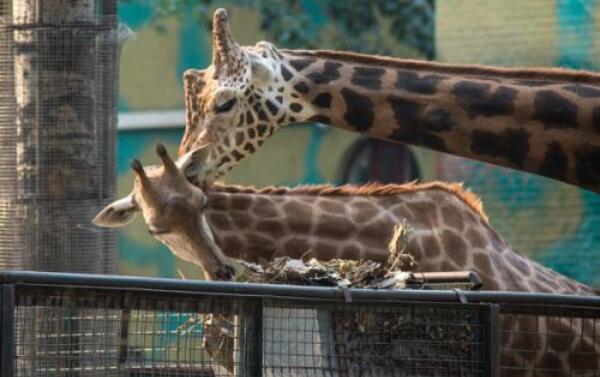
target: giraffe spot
299 216
437 120
296 247
448 266
585 361
270 227
362 211
272 107
325 251
451 217
237 155
262 115
584 91
512 144
261 129
249 147
231 246
219 221
430 247
296 107
319 119
322 100
483 267
525 334
285 73
224 160
263 207
332 226
241 220
249 117
587 163
251 133
550 361
292 120
422 214
478 100
475 239
302 63
279 99
328 74
258 246
301 87
410 129
376 234
555 161
454 245
331 206
411 82
240 202
239 137
351 252
367 77
359 110
554 111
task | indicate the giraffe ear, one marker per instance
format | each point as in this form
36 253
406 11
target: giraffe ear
118 213
191 163
261 71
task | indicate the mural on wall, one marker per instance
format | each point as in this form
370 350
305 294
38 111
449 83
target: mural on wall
554 223
551 222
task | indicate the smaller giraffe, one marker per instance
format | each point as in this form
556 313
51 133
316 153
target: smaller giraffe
450 232
173 209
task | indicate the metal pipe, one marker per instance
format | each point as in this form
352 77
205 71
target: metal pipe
28 278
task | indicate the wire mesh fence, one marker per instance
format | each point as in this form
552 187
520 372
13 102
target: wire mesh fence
58 97
85 325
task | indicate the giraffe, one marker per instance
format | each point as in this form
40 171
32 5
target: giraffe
450 232
539 120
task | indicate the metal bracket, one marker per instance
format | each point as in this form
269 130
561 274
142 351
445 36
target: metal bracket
346 294
461 296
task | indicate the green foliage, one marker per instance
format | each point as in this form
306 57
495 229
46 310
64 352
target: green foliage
357 25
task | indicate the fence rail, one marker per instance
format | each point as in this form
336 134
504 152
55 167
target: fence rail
55 324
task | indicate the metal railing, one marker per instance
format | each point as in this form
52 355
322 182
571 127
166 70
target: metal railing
55 324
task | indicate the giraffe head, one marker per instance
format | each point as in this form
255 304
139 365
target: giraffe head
237 102
173 210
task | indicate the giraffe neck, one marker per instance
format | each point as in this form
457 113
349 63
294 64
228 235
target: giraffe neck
543 121
450 232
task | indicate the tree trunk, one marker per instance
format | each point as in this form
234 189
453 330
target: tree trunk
57 153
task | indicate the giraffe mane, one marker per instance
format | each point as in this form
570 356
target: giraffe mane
538 73
369 189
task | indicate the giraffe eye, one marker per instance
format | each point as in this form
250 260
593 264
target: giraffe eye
225 106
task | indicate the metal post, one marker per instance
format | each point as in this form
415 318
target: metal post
255 361
493 341
7 310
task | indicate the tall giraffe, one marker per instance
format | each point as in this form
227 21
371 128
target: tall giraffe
541 120
450 232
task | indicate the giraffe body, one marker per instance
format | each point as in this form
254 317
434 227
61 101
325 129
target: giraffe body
450 232
539 120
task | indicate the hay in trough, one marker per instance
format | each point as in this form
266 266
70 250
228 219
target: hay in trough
337 272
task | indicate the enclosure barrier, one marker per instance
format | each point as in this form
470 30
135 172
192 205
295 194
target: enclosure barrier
123 326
